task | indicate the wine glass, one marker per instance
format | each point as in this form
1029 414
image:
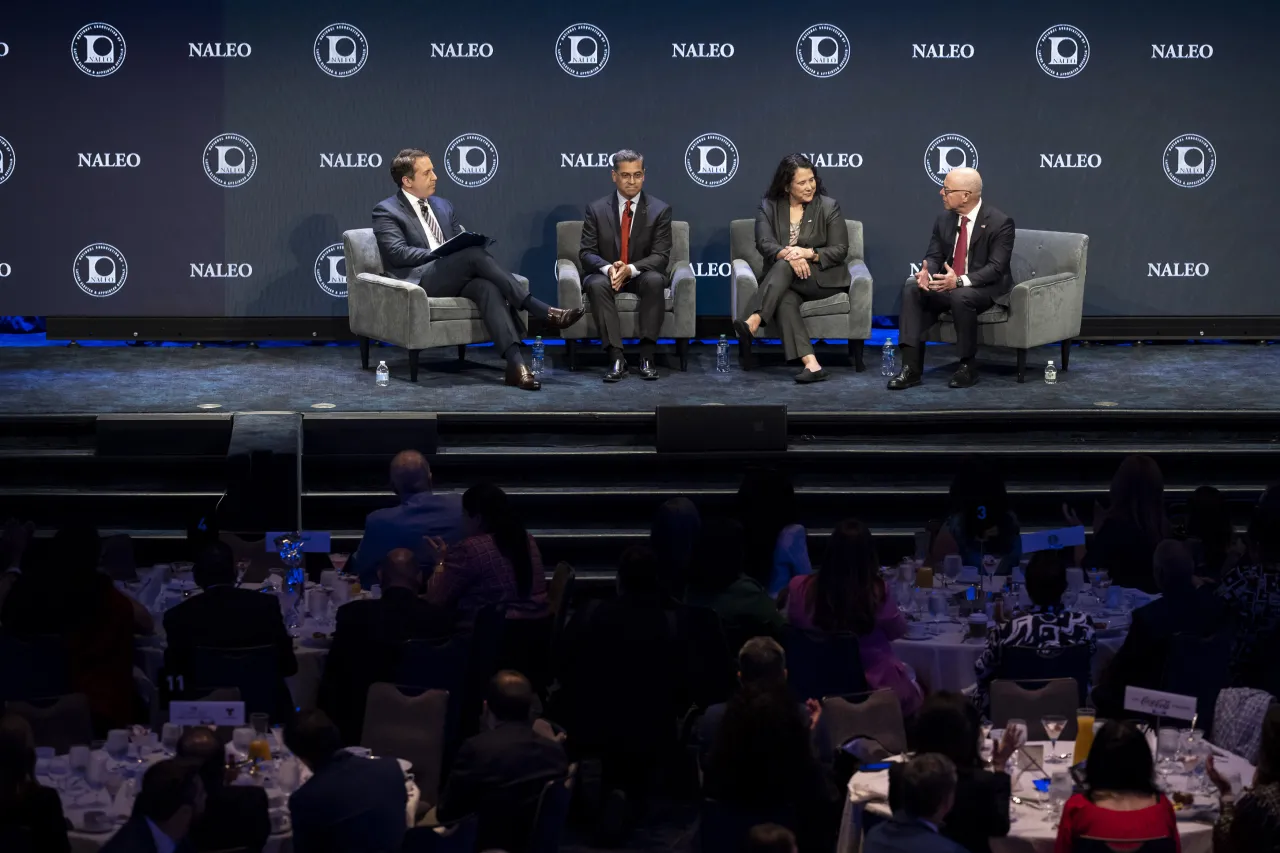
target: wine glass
1053 726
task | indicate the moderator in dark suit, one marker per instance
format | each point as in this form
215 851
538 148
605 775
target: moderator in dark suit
350 804
981 810
906 835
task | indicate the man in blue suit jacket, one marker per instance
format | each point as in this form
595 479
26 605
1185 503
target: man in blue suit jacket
414 222
421 513
928 793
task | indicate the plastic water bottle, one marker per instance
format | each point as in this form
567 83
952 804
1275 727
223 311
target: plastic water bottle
383 375
539 354
722 355
888 358
1050 374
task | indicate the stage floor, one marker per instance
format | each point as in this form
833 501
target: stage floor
102 379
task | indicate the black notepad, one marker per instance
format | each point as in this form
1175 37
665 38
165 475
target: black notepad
465 240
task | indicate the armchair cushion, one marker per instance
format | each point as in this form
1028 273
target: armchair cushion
837 304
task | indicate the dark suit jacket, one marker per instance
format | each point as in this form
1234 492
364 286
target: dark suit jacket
403 526
822 228
135 837
234 816
226 617
990 258
350 805
650 246
401 241
366 647
498 775
900 835
981 811
39 810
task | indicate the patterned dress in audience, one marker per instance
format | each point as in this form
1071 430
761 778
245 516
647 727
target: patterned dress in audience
1252 824
1041 627
1253 593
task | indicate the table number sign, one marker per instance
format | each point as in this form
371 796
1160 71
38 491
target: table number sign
206 713
1052 540
1159 704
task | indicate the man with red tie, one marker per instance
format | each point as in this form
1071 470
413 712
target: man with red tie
965 272
626 236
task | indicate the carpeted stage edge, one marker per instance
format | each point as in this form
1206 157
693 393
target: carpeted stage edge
50 379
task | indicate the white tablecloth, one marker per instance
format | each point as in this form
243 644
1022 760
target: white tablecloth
1030 831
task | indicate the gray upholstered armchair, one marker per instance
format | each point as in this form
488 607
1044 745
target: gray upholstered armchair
679 318
846 314
1046 303
396 312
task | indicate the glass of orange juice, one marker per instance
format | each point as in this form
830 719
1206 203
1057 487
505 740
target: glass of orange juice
1085 718
924 577
259 749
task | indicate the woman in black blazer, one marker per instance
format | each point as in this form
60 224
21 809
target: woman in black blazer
803 238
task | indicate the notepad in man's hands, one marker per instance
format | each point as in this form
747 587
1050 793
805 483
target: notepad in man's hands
457 243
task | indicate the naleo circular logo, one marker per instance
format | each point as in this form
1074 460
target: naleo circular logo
1189 160
1062 51
947 152
711 160
823 50
100 269
331 271
582 50
471 160
98 49
341 50
6 159
230 160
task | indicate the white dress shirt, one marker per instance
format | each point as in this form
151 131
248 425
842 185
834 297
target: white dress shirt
413 202
622 202
972 216
164 844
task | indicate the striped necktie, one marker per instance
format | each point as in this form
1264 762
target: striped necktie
432 225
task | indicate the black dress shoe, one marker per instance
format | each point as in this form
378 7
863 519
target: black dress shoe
965 377
908 378
806 376
647 370
563 318
618 372
520 376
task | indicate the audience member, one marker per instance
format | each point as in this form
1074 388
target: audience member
1181 608
1252 593
1046 624
672 537
497 561
762 666
13 545
500 773
421 513
981 523
771 838
227 617
349 803
848 595
170 802
1210 534
24 802
717 582
368 638
948 725
927 786
1127 530
1252 824
69 596
1121 801
777 548
235 816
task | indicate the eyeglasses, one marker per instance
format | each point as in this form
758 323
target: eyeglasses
631 176
946 191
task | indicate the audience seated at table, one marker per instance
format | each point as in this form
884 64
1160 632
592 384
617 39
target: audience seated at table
171 800
1120 801
68 596
369 635
235 816
771 838
1182 608
847 594
24 802
1252 823
420 513
1046 624
1210 534
927 786
717 582
350 803
671 536
948 725
499 773
981 522
1127 530
496 562
1252 593
777 548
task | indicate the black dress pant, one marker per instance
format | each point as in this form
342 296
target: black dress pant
920 310
474 274
649 286
779 298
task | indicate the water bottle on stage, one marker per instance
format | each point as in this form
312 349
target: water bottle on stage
1050 373
539 353
888 358
383 376
722 355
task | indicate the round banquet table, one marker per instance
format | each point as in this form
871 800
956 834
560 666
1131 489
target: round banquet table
1030 831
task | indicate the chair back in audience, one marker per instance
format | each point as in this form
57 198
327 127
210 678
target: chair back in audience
820 664
433 665
552 813
1041 663
60 722
526 648
876 715
33 667
1102 845
456 837
251 669
1200 667
1030 700
409 727
725 828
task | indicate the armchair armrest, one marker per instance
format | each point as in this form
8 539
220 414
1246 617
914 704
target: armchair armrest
1046 309
861 289
744 286
684 293
569 284
387 309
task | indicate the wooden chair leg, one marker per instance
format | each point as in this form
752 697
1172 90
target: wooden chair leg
1022 365
413 365
462 352
364 353
1066 354
682 350
571 350
856 353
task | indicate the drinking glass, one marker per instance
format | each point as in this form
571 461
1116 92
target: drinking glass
1085 718
170 734
59 769
1167 746
1053 726
1059 792
1069 599
937 610
260 723
241 737
79 759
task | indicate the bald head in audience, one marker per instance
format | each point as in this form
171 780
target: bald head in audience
401 569
410 473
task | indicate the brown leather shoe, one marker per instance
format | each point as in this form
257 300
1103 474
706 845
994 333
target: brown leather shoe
563 318
522 377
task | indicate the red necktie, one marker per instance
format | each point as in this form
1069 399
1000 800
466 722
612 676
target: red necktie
962 247
626 230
